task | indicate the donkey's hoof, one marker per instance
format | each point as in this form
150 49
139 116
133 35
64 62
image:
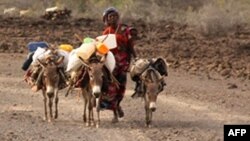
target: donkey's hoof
45 119
87 124
148 125
92 124
51 120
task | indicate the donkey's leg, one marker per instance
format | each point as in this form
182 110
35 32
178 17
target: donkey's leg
85 102
98 111
90 111
92 104
51 96
45 105
89 120
56 104
84 109
150 117
147 117
147 112
78 96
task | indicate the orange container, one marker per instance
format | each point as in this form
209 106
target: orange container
102 48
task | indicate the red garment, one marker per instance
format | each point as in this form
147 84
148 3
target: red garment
109 99
114 94
121 51
122 58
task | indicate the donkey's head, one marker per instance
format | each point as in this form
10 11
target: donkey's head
51 75
96 75
152 82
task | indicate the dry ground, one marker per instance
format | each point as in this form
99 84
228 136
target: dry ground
196 104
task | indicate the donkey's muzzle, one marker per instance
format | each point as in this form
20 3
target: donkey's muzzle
96 94
96 91
50 90
152 106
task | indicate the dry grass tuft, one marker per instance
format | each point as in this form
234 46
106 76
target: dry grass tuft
210 17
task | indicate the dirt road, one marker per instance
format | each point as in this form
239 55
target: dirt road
208 85
191 108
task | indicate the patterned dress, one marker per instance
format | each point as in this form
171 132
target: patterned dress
122 57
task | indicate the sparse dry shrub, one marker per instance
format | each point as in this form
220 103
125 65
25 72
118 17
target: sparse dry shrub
211 17
219 17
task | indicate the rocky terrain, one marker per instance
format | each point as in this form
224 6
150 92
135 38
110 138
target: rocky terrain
207 87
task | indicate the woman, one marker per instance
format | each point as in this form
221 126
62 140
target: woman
123 52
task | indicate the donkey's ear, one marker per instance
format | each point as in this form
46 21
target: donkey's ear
161 79
41 63
145 79
53 51
59 60
147 82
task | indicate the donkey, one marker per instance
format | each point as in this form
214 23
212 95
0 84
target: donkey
152 83
50 82
95 76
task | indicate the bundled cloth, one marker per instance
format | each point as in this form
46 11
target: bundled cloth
140 65
45 54
32 47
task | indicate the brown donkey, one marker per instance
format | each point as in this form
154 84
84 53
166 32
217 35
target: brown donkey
93 91
152 82
95 76
50 81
